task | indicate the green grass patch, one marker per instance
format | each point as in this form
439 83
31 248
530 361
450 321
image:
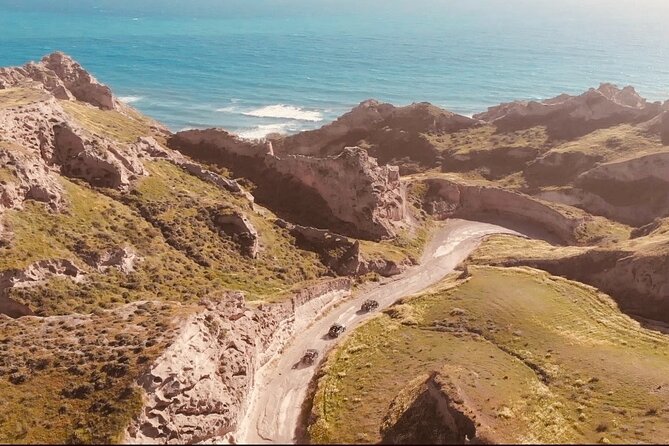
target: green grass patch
14 97
72 379
118 126
539 358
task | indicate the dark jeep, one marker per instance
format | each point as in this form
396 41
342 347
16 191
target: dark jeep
336 330
369 305
308 359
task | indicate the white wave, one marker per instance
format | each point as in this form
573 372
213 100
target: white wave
130 99
286 112
227 110
261 131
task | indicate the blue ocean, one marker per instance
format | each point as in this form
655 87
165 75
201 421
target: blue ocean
259 66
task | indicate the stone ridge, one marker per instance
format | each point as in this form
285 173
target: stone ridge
567 116
63 77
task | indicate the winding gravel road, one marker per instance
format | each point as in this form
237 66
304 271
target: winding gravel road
279 391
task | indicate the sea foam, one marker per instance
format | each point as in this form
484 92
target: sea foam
261 131
286 112
130 99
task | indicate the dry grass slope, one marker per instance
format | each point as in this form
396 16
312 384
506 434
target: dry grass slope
540 359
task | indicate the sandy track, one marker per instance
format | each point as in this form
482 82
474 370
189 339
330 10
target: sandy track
279 391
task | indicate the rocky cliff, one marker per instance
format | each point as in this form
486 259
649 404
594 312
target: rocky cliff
348 193
198 388
446 198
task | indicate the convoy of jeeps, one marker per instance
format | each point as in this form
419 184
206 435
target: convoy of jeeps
335 331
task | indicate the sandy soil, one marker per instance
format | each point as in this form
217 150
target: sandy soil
279 391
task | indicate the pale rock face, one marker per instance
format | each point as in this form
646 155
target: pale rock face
34 181
237 225
450 199
368 199
30 126
122 258
63 77
341 254
198 388
93 159
150 147
38 272
355 188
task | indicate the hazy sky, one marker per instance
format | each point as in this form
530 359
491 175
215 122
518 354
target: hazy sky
599 9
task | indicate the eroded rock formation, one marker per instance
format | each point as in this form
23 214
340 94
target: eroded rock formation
432 410
358 192
30 179
236 225
33 275
567 116
341 254
63 77
93 159
447 198
121 258
387 132
198 388
349 193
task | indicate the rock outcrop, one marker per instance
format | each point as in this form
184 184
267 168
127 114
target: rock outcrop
446 198
121 258
432 410
198 388
63 77
614 189
236 225
387 132
341 254
96 160
348 193
150 147
358 192
567 117
30 179
33 275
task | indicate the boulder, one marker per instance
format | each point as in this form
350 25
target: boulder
123 259
237 226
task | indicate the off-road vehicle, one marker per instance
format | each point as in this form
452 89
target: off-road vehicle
369 305
336 330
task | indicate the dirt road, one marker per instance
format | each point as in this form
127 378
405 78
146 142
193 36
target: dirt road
280 390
